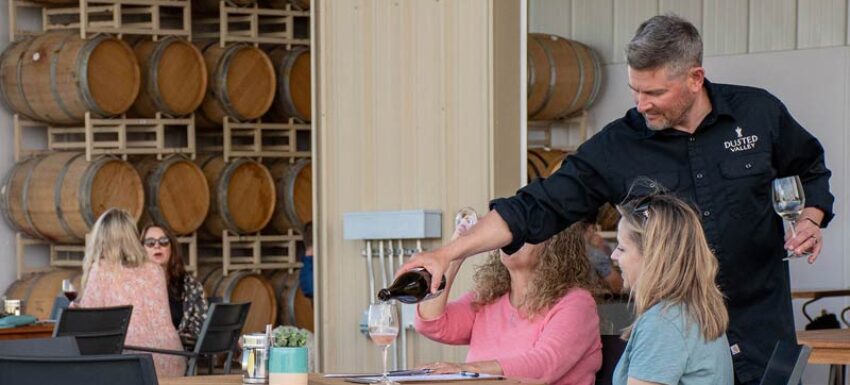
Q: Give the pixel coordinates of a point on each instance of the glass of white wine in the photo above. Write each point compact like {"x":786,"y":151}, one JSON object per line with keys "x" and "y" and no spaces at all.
{"x":383,"y":329}
{"x":789,"y":199}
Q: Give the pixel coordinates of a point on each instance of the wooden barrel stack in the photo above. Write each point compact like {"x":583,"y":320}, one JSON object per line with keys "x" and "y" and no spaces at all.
{"x":293,"y":307}
{"x":39,"y":290}
{"x":174,"y":77}
{"x":294,"y":185}
{"x":564,"y":77}
{"x":178,"y":196}
{"x":238,"y":287}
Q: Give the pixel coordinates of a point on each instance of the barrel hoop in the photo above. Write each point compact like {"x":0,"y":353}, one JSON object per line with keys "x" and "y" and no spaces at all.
{"x":82,"y":74}
{"x":221,"y":74}
{"x":54,"y":61}
{"x":4,"y":97}
{"x":86,"y":206}
{"x":57,"y":197}
{"x":153,"y":75}
{"x":283,"y":81}
{"x":25,"y":199}
{"x":223,"y":183}
{"x":289,"y":205}
{"x":580,"y":79}
{"x":531,"y":74}
{"x":154,"y":179}
{"x":597,"y":79}
{"x":553,"y":78}
{"x":228,"y":291}
{"x":4,"y":196}
{"x":210,"y":88}
{"x":20,"y":76}
{"x":534,"y":166}
{"x":290,"y":299}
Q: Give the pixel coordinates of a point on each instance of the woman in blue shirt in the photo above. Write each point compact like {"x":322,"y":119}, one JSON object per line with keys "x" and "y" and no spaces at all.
{"x":678,"y":336}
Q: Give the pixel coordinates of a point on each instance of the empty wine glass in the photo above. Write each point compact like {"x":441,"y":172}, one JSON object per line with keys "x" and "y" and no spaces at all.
{"x":789,"y":201}
{"x":383,"y":329}
{"x":465,"y":219}
{"x":69,"y":290}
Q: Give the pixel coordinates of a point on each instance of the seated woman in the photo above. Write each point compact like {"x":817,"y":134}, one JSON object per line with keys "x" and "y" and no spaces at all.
{"x":186,"y":297}
{"x":530,"y":315}
{"x":678,"y":336}
{"x":116,"y":272}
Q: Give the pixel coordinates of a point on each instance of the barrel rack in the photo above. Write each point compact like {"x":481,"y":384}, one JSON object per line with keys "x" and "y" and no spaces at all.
{"x":253,"y":25}
{"x":252,"y":252}
{"x":540,"y":131}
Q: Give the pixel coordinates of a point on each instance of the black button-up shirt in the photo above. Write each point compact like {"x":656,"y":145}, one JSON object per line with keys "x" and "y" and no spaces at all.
{"x":725,"y":168}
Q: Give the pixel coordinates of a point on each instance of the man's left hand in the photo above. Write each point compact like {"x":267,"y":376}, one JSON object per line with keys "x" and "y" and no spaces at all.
{"x":809,"y":238}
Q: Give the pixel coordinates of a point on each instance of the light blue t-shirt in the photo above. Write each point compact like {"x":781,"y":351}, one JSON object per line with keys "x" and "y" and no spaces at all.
{"x":666,"y":348}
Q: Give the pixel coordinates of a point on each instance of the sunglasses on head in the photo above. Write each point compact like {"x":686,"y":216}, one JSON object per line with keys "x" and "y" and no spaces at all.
{"x":642,"y":208}
{"x":151,"y":242}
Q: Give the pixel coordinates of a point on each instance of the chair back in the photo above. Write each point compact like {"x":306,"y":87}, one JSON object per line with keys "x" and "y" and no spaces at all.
{"x":40,"y":347}
{"x":126,"y":369}
{"x":98,"y":330}
{"x":786,"y":364}
{"x":222,"y":328}
{"x":612,"y":348}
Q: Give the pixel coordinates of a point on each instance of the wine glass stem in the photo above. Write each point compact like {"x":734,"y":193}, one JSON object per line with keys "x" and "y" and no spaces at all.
{"x":386,"y":373}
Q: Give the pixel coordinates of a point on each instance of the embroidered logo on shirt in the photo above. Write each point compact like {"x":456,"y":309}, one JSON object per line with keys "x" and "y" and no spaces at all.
{"x":741,"y":143}
{"x":735,"y":349}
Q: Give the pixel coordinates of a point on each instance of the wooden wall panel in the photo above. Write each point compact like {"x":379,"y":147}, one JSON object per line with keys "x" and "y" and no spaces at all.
{"x":724,"y":26}
{"x":593,"y":25}
{"x":689,"y":9}
{"x":405,"y":121}
{"x":628,"y":15}
{"x":550,"y":16}
{"x":772,"y":25}
{"x":821,"y":23}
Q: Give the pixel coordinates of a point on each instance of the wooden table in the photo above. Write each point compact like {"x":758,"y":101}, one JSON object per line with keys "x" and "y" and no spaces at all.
{"x":315,"y":379}
{"x":829,"y":347}
{"x":30,"y":331}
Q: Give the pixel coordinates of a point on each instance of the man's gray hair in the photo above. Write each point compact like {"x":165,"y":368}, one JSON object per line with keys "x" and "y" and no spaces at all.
{"x":665,"y":40}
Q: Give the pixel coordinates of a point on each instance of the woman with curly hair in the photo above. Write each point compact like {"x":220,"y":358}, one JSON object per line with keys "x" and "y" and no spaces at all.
{"x":531,"y":314}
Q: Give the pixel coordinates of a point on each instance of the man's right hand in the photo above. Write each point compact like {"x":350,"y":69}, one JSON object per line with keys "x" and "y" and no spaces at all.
{"x":436,"y":262}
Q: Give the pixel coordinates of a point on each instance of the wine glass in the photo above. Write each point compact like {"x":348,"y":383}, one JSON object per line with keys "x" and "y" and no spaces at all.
{"x":383,"y":329}
{"x":465,"y":219}
{"x":789,"y":201}
{"x":69,"y":290}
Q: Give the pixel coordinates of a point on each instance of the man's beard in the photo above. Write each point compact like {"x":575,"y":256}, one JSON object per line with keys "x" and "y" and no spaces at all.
{"x":665,"y":122}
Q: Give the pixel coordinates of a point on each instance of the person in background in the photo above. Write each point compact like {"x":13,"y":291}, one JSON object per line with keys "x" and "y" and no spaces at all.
{"x":678,"y":336}
{"x":531,"y":314}
{"x":186,"y":298}
{"x":599,"y":254}
{"x":117,"y":272}
{"x":305,"y":275}
{"x":719,"y":146}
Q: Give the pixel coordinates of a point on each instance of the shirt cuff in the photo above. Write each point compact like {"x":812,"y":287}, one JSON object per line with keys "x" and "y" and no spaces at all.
{"x":503,"y":207}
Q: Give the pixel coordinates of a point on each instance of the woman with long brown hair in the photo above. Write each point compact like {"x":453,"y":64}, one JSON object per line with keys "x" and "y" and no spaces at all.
{"x":531,"y":314}
{"x":678,"y":336}
{"x":186,"y":299}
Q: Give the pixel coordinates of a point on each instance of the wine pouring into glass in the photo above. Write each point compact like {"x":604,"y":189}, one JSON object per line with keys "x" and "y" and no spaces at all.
{"x":789,"y":199}
{"x":383,"y":330}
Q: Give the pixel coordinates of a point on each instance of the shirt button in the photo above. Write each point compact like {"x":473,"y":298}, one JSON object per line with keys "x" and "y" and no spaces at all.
{"x":699,"y":175}
{"x":706,"y":213}
{"x":691,"y":139}
{"x":748,"y":166}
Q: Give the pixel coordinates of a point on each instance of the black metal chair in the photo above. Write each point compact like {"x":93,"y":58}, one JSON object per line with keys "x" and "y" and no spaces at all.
{"x":98,"y":330}
{"x":786,"y":364}
{"x":127,"y":369}
{"x":219,"y":335}
{"x":41,"y":347}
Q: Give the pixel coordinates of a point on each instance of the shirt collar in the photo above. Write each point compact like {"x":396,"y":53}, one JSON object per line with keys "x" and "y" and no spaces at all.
{"x":719,"y":107}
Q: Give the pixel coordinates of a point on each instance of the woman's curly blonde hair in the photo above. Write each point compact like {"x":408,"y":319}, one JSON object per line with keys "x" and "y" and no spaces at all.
{"x":562,"y":265}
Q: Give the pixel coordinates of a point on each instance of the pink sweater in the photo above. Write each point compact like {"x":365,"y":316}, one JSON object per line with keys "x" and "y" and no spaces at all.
{"x":559,"y":347}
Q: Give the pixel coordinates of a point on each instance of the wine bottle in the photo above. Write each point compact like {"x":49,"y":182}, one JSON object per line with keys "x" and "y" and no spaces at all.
{"x":411,"y":287}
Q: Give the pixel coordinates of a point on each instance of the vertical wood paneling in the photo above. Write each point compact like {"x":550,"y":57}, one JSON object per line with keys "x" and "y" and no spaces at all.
{"x":773,"y":25}
{"x":821,"y":23}
{"x":628,"y":15}
{"x":404,"y":122}
{"x":508,"y":39}
{"x":593,"y":25}
{"x":550,"y":16}
{"x":691,"y":10}
{"x":724,"y":27}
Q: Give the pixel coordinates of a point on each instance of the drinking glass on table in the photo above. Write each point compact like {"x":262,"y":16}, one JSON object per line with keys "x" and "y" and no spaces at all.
{"x":789,"y":201}
{"x":383,"y":329}
{"x":69,"y":290}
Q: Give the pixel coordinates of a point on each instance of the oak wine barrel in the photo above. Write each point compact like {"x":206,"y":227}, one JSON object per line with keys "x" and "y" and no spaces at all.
{"x":173,"y":77}
{"x":294,"y":186}
{"x":543,"y":161}
{"x":59,"y":196}
{"x":39,"y":290}
{"x":293,"y":84}
{"x":242,"y":195}
{"x":241,"y":84}
{"x":238,"y":287}
{"x":564,"y":77}
{"x":294,"y":308}
{"x":57,"y":77}
{"x":178,"y":196}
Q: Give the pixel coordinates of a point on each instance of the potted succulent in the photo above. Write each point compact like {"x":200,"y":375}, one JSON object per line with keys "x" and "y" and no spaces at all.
{"x":289,"y":356}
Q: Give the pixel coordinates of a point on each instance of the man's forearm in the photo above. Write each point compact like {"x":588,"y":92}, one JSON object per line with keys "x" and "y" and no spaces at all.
{"x":490,"y":233}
